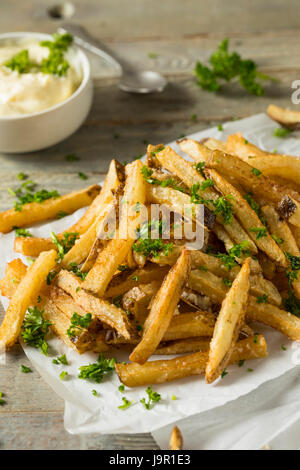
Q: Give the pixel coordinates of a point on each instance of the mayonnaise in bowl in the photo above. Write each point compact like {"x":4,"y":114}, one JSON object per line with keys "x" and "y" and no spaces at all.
{"x":36,"y":75}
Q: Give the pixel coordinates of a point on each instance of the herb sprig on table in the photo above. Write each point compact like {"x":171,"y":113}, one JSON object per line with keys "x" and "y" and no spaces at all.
{"x":227,"y":66}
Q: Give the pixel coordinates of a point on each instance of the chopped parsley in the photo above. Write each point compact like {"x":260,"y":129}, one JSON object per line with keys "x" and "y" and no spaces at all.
{"x":292,"y":303}
{"x":262,"y":299}
{"x":168,"y":182}
{"x":98,"y":370}
{"x":78,"y":322}
{"x":224,"y":373}
{"x":241,"y":362}
{"x":283,"y":347}
{"x":26,"y":194}
{"x":281,"y":132}
{"x":254,"y":206}
{"x":61,"y":214}
{"x":148,"y":246}
{"x":220,"y":127}
{"x":228,"y":259}
{"x":83,"y":176}
{"x":22,"y":232}
{"x":152,"y":55}
{"x":74,"y":268}
{"x":22,"y":176}
{"x":200,"y":168}
{"x":260,"y":232}
{"x":278,"y":240}
{"x":227,"y":282}
{"x":95,"y":393}
{"x":20,"y":62}
{"x":35,"y":329}
{"x":61,"y":360}
{"x":63,"y":375}
{"x":153,"y":397}
{"x":206,"y":184}
{"x":121,"y":388}
{"x":126,"y":404}
{"x":256,"y":172}
{"x":224,"y":207}
{"x":249,"y":370}
{"x":64,"y":244}
{"x":72,"y":157}
{"x":2,"y":402}
{"x":25,"y":369}
{"x":117,"y":301}
{"x":173,"y":397}
{"x":50,"y":277}
{"x":194,"y":117}
{"x":227,"y":66}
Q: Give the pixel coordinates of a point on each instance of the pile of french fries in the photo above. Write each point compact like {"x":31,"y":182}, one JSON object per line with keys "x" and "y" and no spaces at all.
{"x":183,"y":302}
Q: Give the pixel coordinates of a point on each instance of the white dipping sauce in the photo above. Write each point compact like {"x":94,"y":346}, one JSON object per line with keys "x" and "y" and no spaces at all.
{"x":27,"y":93}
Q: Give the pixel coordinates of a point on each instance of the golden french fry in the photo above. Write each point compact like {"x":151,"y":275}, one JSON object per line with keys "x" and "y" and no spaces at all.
{"x":271,"y":164}
{"x":190,"y":324}
{"x":101,"y":309}
{"x":183,"y":346}
{"x":278,"y":227}
{"x":249,"y":219}
{"x":24,"y":296}
{"x":14,"y":273}
{"x":154,"y":372}
{"x":137,"y":299}
{"x":228,"y":324}
{"x":285,"y":117}
{"x":162,"y":309}
{"x":176,"y":439}
{"x":207,"y":283}
{"x":194,"y":149}
{"x":37,"y":212}
{"x":214,"y":144}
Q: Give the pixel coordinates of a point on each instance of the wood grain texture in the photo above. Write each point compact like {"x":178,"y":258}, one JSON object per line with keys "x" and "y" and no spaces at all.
{"x":119,"y":125}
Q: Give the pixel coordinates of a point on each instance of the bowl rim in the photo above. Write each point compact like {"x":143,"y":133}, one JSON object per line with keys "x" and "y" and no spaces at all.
{"x":86,"y":69}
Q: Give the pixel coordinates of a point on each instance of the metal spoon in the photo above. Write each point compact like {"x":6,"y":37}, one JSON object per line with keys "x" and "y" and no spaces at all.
{"x":131,"y":79}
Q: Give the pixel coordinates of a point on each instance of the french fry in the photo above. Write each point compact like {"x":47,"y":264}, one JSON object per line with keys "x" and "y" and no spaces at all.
{"x":14,"y":273}
{"x":162,"y":309}
{"x":270,"y":315}
{"x":249,"y":219}
{"x":190,"y":324}
{"x":228,"y":324}
{"x":194,"y":149}
{"x":280,"y":229}
{"x":184,"y":170}
{"x":183,"y":346}
{"x":176,"y":439}
{"x":271,"y":164}
{"x":25,"y":294}
{"x":37,"y":212}
{"x":214,"y":144}
{"x":137,"y":299}
{"x":124,"y":282}
{"x":296,"y":233}
{"x":285,"y":117}
{"x":155,"y":372}
{"x":101,"y":309}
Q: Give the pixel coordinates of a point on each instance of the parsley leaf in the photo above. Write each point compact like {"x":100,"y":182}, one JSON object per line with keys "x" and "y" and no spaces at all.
{"x":126,"y":404}
{"x":153,"y":397}
{"x":168,"y":182}
{"x":262,"y":299}
{"x":22,"y":232}
{"x":25,"y":369}
{"x":256,"y":172}
{"x":281,"y":132}
{"x":260,"y":232}
{"x":25,"y":194}
{"x":97,"y":370}
{"x":64,"y":244}
{"x":78,"y":322}
{"x":61,"y":360}
{"x":35,"y":329}
{"x":77,"y":271}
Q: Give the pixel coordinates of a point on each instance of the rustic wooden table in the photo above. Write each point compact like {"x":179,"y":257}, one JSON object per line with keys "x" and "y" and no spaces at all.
{"x":169,"y":36}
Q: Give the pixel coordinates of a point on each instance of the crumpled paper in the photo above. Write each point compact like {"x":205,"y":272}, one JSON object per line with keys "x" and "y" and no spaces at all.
{"x":85,"y":413}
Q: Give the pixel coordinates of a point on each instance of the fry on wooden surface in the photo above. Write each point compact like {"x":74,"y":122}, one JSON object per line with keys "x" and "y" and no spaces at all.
{"x":34,"y":212}
{"x":228,"y":324}
{"x":162,"y":309}
{"x":154,"y":372}
{"x":24,"y":296}
{"x":176,"y":439}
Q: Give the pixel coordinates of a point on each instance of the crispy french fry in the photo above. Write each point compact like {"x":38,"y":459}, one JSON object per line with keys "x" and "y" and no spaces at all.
{"x":249,"y":219}
{"x":37,"y":212}
{"x":296,"y":233}
{"x":271,"y":164}
{"x":184,"y":170}
{"x":280,"y":229}
{"x":183,"y":346}
{"x":162,"y":309}
{"x":194,"y":149}
{"x":25,"y":294}
{"x":102,"y":309}
{"x":272,"y":316}
{"x":124,"y":282}
{"x":14,"y":273}
{"x":137,"y":299}
{"x":228,"y":324}
{"x":176,"y":439}
{"x":214,"y":144}
{"x":208,"y":284}
{"x":285,"y":117}
{"x":190,"y":324}
{"x":154,"y":372}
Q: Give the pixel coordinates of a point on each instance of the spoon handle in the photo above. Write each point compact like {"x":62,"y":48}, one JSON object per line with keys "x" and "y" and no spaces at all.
{"x":83,"y":39}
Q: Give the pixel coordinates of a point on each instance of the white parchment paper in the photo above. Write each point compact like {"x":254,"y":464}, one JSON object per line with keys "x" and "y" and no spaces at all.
{"x":85,"y":413}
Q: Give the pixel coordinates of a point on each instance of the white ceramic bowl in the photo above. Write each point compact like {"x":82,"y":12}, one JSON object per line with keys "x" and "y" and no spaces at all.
{"x":30,"y":132}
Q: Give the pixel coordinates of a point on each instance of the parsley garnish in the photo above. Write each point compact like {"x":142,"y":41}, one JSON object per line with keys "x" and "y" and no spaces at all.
{"x":123,"y":267}
{"x":220,"y":127}
{"x":35,"y":329}
{"x":95,"y":393}
{"x":223,"y":206}
{"x":50,"y":277}
{"x":283,"y":347}
{"x":262,"y":299}
{"x":77,"y":271}
{"x":241,"y":362}
{"x":226,"y":66}
{"x":78,"y":322}
{"x":260,"y":232}
{"x":97,"y":370}
{"x":126,"y":404}
{"x":61,"y":214}
{"x":281,"y":132}
{"x":22,"y":232}
{"x":20,"y":62}
{"x":25,"y":194}
{"x":254,"y":206}
{"x":121,"y":388}
{"x":72,"y":157}
{"x":153,"y":397}
{"x":224,"y":373}
{"x":228,"y":259}
{"x":63,"y":374}
{"x":61,"y":360}
{"x":278,"y":240}
{"x":256,"y":172}
{"x":25,"y":369}
{"x":82,"y":175}
{"x":151,"y":247}
{"x":206,"y":184}
{"x":22,"y":176}
{"x":63,"y":245}
{"x":2,"y":402}
{"x":200,"y":167}
{"x":168,"y":182}
{"x":227,"y":282}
